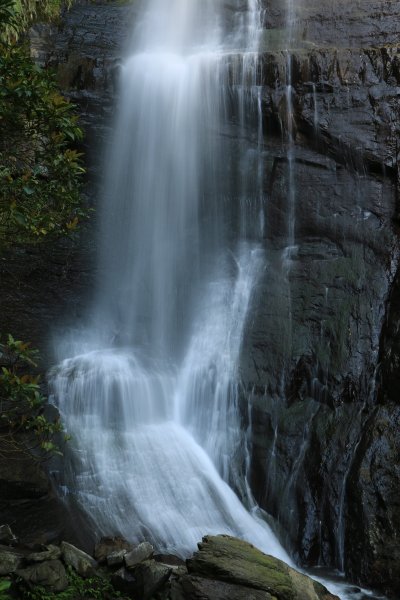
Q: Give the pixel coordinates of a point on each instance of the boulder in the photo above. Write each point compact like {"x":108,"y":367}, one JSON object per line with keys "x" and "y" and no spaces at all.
{"x":227,"y":559}
{"x":83,"y":564}
{"x":50,"y":574}
{"x":170,"y":559}
{"x":124,"y":581}
{"x":50,"y":553}
{"x":190,"y":587}
{"x":109,"y":545}
{"x":116,"y":559}
{"x":10,"y":560}
{"x":6,"y":535}
{"x":142,"y":552}
{"x":150,"y":578}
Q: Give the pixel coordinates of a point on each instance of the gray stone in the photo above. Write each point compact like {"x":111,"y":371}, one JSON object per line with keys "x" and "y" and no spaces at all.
{"x":150,"y":578}
{"x":190,"y":587}
{"x":124,"y":581}
{"x":51,"y":553}
{"x":108,"y":545}
{"x":10,"y":560}
{"x":83,"y":564}
{"x":234,"y":561}
{"x":6,"y":535}
{"x":142,"y":552}
{"x":170,"y":559}
{"x":50,"y":574}
{"x":22,"y":477}
{"x":116,"y":559}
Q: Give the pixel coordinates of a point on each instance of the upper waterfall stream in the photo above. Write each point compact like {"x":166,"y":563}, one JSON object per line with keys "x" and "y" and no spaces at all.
{"x":149,"y":391}
{"x":152,"y":401}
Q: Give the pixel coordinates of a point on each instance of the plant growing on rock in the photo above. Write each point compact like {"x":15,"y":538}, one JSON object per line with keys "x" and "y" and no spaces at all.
{"x":18,"y":15}
{"x":94,"y":588}
{"x":40,"y":175}
{"x":5,"y":585}
{"x":40,"y":168}
{"x":23,"y":426}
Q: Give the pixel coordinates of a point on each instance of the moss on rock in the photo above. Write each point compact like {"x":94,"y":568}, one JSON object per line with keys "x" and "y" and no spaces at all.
{"x":237,"y":562}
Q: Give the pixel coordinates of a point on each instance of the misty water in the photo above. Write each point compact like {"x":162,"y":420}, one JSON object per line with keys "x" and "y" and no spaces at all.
{"x":150,"y":390}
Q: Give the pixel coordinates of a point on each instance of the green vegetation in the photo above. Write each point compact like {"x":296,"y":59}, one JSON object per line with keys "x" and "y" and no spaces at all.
{"x":23,"y":427}
{"x":94,"y":588}
{"x":5,"y":585}
{"x":40,"y":174}
{"x":17,"y":15}
{"x":40,"y":168}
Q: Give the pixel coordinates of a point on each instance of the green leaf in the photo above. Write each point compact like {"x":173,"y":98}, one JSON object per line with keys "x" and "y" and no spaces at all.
{"x":19,"y":217}
{"x":4,"y":586}
{"x":28,"y":190}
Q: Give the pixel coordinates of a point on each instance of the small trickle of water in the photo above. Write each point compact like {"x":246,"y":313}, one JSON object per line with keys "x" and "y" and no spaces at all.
{"x":315,"y":107}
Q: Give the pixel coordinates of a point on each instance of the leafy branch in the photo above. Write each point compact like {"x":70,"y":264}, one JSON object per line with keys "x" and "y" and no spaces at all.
{"x":23,"y":426}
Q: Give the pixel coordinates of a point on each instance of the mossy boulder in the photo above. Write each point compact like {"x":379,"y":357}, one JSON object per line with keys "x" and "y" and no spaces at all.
{"x":227,"y":559}
{"x":190,"y":587}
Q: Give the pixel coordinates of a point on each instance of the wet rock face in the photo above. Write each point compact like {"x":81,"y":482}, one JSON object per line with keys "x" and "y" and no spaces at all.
{"x":42,"y":287}
{"x":240,"y":569}
{"x":323,"y":458}
{"x":318,"y":334}
{"x":314,"y":337}
{"x":28,"y":503}
{"x":324,"y":23}
{"x":85,"y":49}
{"x":373,"y":509}
{"x":346,"y":102}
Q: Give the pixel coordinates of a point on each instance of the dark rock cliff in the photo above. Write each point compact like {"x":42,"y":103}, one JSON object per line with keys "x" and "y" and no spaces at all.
{"x":321,"y":355}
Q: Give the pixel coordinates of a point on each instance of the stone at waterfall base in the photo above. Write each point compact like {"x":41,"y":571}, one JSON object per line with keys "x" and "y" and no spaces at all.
{"x":10,"y":560}
{"x":83,"y":564}
{"x":226,"y":567}
{"x":142,"y":552}
{"x":50,"y":574}
{"x":110,"y":545}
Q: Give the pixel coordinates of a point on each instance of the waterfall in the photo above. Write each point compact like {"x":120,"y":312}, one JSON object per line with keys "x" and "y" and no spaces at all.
{"x":150,"y":390}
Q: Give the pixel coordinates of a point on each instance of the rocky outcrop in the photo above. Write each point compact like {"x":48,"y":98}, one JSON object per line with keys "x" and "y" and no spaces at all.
{"x":50,"y":574}
{"x":27,"y":502}
{"x":323,"y":424}
{"x":224,"y":568}
{"x":244,"y":572}
{"x":79,"y":560}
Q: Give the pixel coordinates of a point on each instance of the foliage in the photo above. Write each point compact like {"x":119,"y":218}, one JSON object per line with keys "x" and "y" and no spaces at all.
{"x":5,"y":585}
{"x":40,"y":168}
{"x":40,"y":174}
{"x":95,"y":588}
{"x":18,"y":15}
{"x":23,"y":426}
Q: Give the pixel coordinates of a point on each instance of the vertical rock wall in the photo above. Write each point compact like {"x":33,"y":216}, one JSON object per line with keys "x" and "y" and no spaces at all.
{"x":321,"y":354}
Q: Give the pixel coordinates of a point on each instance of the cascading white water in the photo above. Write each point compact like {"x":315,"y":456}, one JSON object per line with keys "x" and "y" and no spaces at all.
{"x":149,"y":391}
{"x":153,"y":405}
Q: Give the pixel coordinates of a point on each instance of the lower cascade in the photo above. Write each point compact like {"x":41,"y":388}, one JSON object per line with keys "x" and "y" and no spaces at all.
{"x":150,"y":390}
{"x":152,"y":398}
